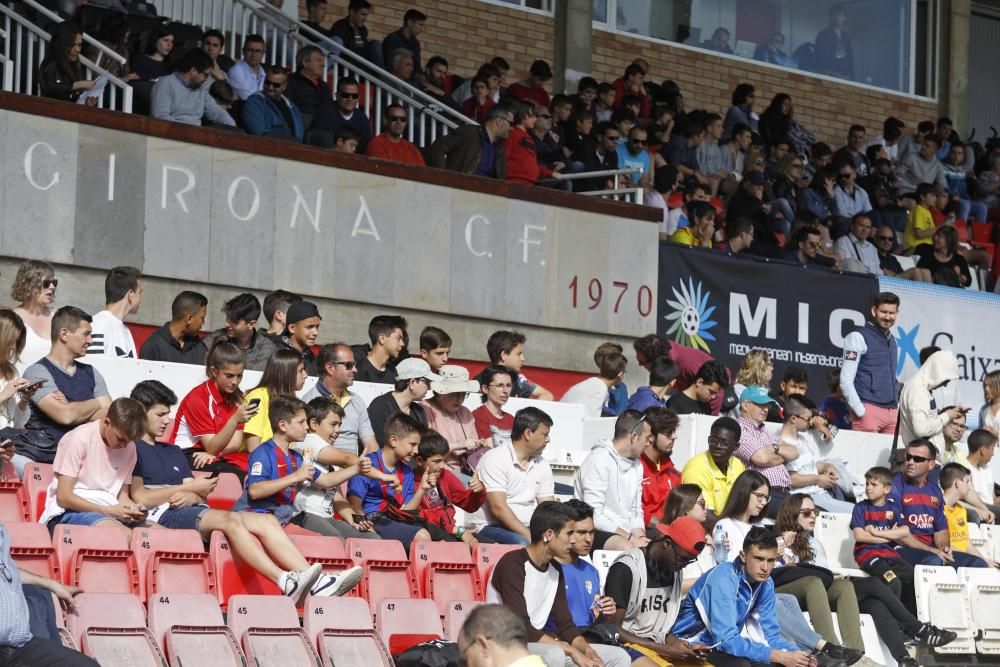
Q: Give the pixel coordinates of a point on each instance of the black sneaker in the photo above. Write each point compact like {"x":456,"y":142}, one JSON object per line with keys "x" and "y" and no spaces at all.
{"x":932,"y":636}
{"x":848,"y":656}
{"x":823,"y":660}
{"x":907,"y":662}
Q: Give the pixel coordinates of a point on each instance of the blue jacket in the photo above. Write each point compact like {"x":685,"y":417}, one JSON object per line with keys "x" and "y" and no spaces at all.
{"x":643,"y":399}
{"x":261,"y":117}
{"x":718,"y":607}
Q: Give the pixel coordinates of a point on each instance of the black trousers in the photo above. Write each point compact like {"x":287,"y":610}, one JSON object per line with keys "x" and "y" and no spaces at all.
{"x":725,"y":660}
{"x":876,"y":599}
{"x":43,"y":653}
{"x":901,"y":584}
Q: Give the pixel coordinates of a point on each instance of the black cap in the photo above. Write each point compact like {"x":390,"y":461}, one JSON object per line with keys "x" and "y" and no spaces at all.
{"x":541,"y":70}
{"x":301,"y":310}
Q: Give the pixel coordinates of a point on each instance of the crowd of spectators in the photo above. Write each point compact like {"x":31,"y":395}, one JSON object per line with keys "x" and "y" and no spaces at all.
{"x":399,"y":466}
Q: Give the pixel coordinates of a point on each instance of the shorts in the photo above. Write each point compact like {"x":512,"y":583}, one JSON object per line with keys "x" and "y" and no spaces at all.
{"x":183,"y":517}
{"x":388,"y":529}
{"x":84,"y":519}
{"x":600,"y":539}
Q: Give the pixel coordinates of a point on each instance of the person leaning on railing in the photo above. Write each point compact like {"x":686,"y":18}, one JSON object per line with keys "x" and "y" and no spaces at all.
{"x":61,"y":76}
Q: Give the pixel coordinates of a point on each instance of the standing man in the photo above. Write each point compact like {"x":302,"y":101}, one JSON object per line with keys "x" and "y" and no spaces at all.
{"x":476,"y":149}
{"x":531,"y":583}
{"x":760,"y":450}
{"x":868,"y":375}
{"x":659,"y":474}
{"x":335,"y":362}
{"x":610,"y":481}
{"x":122,"y":297}
{"x":247,"y":75}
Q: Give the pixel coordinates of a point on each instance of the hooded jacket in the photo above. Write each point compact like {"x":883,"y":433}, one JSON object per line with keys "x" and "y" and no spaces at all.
{"x":721,"y":604}
{"x":916,"y":417}
{"x":612,"y":485}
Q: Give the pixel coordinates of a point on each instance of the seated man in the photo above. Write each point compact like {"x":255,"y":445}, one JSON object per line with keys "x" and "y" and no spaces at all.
{"x":592,"y":393}
{"x":494,"y":635}
{"x":177,"y":340}
{"x":390,"y":144}
{"x":761,"y":451}
{"x":808,"y":472}
{"x":122,"y":297}
{"x":247,"y":76}
{"x":413,"y":381}
{"x":269,"y":113}
{"x":162,"y":480}
{"x":72,"y":394}
{"x":610,"y":481}
{"x":476,"y":149}
{"x":386,"y":334}
{"x":93,"y":470}
{"x":531,"y":583}
{"x":352,"y":32}
{"x":732,"y":596}
{"x":301,"y":329}
{"x":307,"y":87}
{"x":347,"y":113}
{"x":698,"y":397}
{"x":241,"y":313}
{"x":336,"y":367}
{"x":516,"y":480}
{"x":659,"y":474}
{"x":645,"y":586}
{"x":184,"y":97}
{"x":662,"y":378}
{"x":716,"y":470}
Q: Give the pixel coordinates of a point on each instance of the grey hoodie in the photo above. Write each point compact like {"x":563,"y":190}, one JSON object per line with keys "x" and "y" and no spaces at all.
{"x":612,"y":485}
{"x":916,"y":418}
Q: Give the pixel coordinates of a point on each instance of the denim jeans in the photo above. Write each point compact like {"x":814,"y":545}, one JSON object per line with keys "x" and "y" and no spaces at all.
{"x":920,"y":557}
{"x":794,"y":626}
{"x":502,"y":535}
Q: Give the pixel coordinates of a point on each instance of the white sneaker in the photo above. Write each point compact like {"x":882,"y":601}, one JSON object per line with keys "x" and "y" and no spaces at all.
{"x":297,"y":583}
{"x":337,"y":584}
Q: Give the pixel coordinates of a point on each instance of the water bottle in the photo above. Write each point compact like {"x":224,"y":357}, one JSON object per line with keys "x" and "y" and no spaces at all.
{"x":307,"y":459}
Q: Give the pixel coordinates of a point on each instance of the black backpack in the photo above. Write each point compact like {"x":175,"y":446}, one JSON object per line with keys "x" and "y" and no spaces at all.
{"x":435,"y":653}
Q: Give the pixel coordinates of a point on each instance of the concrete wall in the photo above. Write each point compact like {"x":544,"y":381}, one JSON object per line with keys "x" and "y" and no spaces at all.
{"x":360,"y":243}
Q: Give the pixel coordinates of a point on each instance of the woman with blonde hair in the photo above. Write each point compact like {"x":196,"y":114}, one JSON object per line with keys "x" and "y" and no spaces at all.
{"x":13,"y":395}
{"x":989,"y":414}
{"x":34,"y":290}
{"x":757,"y":369}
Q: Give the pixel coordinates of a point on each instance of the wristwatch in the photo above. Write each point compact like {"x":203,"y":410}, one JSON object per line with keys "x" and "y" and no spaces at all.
{"x":776,"y":447}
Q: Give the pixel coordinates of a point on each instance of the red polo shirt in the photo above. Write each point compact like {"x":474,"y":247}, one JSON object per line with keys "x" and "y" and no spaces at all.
{"x":657,"y":481}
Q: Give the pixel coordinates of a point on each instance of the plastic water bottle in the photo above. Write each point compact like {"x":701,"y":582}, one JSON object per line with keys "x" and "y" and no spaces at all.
{"x":307,"y":459}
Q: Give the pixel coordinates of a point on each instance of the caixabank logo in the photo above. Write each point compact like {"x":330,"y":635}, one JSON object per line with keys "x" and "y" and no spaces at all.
{"x":690,"y":313}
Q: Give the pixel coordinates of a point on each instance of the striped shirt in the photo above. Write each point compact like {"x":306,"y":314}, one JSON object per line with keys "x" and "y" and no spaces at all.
{"x":883,"y":517}
{"x":922,"y":506}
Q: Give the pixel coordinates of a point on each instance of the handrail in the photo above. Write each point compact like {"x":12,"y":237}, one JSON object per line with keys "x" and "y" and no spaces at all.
{"x":616,"y":191}
{"x":8,"y":72}
{"x":24,"y":46}
{"x":285,"y":36}
{"x":100,"y":46}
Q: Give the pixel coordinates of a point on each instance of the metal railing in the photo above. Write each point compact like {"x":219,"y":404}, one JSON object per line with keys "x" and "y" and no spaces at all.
{"x":25,"y":44}
{"x":428,"y":118}
{"x":619,"y":191}
{"x":7,"y":73}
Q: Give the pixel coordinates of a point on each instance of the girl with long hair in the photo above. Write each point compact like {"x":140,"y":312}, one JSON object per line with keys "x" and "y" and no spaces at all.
{"x":687,"y":500}
{"x":14,"y":394}
{"x":989,"y":414}
{"x":284,"y":375}
{"x":60,"y":75}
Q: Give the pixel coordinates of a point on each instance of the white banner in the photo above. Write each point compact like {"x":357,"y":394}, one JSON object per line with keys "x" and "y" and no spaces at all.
{"x":963,"y":321}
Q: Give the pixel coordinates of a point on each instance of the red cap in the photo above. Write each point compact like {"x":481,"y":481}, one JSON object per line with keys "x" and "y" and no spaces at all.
{"x":686,"y":533}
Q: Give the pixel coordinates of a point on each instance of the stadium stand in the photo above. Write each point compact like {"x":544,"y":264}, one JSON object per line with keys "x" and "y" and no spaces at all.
{"x":190,"y":629}
{"x":269,"y":630}
{"x":343,"y":629}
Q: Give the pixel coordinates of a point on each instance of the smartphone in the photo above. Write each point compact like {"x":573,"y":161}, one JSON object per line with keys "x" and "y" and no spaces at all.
{"x":6,"y":444}
{"x":358,"y":518}
{"x":35,"y":384}
{"x":215,"y":473}
{"x":253,"y":403}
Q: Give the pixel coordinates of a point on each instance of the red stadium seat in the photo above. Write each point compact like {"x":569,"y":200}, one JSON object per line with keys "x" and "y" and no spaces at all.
{"x":226,"y":492}
{"x":388,"y":573}
{"x":96,"y":558}
{"x":486,"y":556}
{"x":190,"y":631}
{"x":64,"y":636}
{"x":172,"y":561}
{"x":292,"y":529}
{"x":343,"y":631}
{"x":32,"y":550}
{"x":963,"y":231}
{"x":8,"y":473}
{"x":111,"y":628}
{"x":232,"y":575}
{"x":982,"y":232}
{"x":267,"y":627}
{"x":445,"y":572}
{"x":14,"y":502}
{"x":37,"y":477}
{"x":404,"y":623}
{"x":455,"y":615}
{"x":328,"y":551}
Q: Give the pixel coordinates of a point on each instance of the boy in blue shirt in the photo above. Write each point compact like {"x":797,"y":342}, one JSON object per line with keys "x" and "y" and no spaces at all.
{"x":583,"y":582}
{"x":162,"y":480}
{"x":379,"y":501}
{"x":276,"y":472}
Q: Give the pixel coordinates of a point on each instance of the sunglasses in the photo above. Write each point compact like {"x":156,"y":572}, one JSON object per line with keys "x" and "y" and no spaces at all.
{"x":808,"y":512}
{"x":50,"y":282}
{"x":272,"y":84}
{"x":917,"y":459}
{"x":397,"y":119}
{"x":350,"y":96}
{"x":886,"y":238}
{"x":639,"y":142}
{"x":348,"y":365}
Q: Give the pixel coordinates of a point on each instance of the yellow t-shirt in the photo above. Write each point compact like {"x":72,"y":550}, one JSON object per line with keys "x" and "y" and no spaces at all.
{"x":958,"y":527}
{"x":260,"y":424}
{"x":920,"y":220}
{"x":715,"y":484}
{"x":683,"y":236}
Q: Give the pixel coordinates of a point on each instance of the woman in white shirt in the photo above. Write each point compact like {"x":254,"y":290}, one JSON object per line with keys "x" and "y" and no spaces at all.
{"x":34,"y":289}
{"x":687,"y":500}
{"x":13,"y":397}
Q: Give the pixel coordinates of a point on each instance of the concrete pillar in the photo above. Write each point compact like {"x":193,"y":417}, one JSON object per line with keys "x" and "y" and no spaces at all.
{"x":572,"y":43}
{"x":953,"y":93}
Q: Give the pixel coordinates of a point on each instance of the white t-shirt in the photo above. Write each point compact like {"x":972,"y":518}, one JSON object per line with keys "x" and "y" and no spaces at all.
{"x":982,"y":482}
{"x":111,"y":337}
{"x":309,"y":498}
{"x":809,"y":456}
{"x":592,"y":394}
{"x":499,"y":471}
